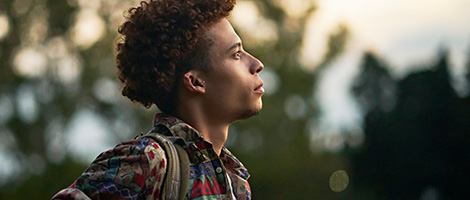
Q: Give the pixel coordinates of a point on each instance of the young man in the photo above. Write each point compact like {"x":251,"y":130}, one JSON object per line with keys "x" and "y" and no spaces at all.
{"x":185,"y":57}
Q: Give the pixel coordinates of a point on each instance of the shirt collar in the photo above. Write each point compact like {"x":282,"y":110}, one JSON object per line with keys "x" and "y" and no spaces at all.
{"x":177,"y":127}
{"x":180,"y":128}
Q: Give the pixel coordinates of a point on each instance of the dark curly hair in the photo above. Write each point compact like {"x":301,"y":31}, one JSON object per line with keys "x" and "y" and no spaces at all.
{"x":160,"y":41}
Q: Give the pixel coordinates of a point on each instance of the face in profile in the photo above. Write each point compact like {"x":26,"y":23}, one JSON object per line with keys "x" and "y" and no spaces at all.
{"x":233,"y":85}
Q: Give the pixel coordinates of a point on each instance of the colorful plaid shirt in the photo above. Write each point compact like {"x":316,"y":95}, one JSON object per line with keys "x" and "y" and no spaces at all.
{"x":136,"y":169}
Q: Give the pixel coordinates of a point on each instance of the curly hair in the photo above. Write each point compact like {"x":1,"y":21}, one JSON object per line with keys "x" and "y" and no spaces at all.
{"x":160,"y":41}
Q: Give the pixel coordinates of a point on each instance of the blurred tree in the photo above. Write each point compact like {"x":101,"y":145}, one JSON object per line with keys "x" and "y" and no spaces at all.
{"x":47,"y":79}
{"x":375,"y":88}
{"x":458,"y":146}
{"x":467,"y":76}
{"x":375,"y":92}
{"x":419,"y":146}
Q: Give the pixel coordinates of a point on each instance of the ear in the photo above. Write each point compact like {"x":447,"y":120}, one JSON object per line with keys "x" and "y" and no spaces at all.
{"x":192,"y":82}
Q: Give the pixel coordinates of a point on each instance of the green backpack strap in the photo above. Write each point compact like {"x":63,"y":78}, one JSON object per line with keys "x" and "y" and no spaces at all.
{"x":176,"y":182}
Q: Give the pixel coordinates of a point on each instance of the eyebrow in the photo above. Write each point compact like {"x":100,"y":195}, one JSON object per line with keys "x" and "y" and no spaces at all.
{"x":236,"y":45}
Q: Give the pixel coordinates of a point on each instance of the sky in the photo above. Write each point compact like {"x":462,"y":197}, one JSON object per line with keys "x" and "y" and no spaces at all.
{"x":405,"y":33}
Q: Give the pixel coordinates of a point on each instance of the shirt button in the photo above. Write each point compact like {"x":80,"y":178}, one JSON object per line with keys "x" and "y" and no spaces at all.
{"x":218,"y":170}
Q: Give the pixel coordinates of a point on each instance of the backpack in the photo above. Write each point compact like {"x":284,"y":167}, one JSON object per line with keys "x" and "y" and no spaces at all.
{"x":176,"y":181}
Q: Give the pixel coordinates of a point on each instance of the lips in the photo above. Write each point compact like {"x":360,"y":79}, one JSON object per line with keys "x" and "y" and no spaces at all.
{"x":259,"y":89}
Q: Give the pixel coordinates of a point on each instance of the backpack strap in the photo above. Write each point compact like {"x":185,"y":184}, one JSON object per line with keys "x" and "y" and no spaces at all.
{"x":176,"y":182}
{"x":184,"y":169}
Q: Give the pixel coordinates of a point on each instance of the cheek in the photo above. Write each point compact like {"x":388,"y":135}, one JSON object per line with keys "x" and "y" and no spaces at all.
{"x":231,"y":79}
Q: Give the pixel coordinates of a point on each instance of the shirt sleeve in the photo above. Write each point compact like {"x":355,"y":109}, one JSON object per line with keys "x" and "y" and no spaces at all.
{"x":132,"y":170}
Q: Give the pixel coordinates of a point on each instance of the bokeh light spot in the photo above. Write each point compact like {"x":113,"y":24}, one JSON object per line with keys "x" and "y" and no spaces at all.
{"x":88,"y":29}
{"x":4,"y":26}
{"x":271,"y":81}
{"x":339,"y":181}
{"x":30,"y":62}
{"x":106,"y":90}
{"x":27,"y":107}
{"x":295,"y":107}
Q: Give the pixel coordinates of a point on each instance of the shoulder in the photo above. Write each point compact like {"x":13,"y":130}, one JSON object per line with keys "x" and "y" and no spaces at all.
{"x":133,"y":168}
{"x":144,"y":156}
{"x":143,"y":151}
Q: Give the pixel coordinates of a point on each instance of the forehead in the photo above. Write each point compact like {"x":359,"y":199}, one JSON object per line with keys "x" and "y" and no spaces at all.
{"x":223,"y":35}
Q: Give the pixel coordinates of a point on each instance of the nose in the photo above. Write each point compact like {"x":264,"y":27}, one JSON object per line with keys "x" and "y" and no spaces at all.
{"x":256,"y":65}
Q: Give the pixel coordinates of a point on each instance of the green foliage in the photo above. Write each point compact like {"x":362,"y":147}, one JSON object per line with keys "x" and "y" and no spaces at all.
{"x":275,"y":145}
{"x":46,"y":184}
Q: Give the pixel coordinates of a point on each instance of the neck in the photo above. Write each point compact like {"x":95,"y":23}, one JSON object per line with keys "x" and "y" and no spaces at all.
{"x":213,"y":130}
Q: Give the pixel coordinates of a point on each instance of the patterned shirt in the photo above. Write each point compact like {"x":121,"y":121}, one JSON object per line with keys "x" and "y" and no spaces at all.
{"x":136,"y":169}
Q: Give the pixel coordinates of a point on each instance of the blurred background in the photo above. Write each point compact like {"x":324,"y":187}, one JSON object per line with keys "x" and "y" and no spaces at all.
{"x":365,"y":99}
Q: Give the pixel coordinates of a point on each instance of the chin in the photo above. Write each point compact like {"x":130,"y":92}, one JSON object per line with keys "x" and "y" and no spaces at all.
{"x":249,"y":114}
{"x":252,"y":112}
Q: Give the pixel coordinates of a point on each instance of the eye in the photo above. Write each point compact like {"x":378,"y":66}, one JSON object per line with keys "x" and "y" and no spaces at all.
{"x":237,"y":55}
